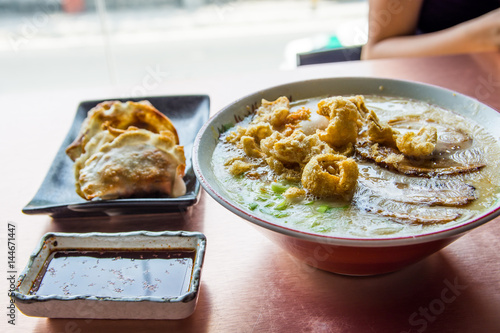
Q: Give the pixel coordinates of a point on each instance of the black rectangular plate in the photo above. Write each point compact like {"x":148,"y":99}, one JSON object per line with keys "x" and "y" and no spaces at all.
{"x":57,"y":196}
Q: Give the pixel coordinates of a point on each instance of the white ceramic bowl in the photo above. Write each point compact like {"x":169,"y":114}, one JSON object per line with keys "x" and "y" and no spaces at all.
{"x":337,"y":254}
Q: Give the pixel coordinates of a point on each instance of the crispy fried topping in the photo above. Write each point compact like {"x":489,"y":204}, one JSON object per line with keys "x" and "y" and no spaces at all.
{"x":329,"y":175}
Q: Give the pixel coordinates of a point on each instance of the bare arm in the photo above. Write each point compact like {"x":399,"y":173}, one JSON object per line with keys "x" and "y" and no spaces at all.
{"x":392,"y":26}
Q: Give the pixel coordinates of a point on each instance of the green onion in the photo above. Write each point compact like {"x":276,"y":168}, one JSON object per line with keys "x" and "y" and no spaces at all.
{"x":274,"y":213}
{"x":282,"y":205}
{"x":341,"y":207}
{"x":280,"y":214}
{"x":324,"y":208}
{"x":225,"y":127}
{"x":278,"y":188}
{"x":322,"y":228}
{"x":252,"y":206}
{"x":262,"y":197}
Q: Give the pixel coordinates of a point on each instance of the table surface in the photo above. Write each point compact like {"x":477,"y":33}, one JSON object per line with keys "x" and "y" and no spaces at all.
{"x":250,"y":284}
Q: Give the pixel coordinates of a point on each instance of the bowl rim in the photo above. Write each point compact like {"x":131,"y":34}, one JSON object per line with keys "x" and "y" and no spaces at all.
{"x":450,"y":232}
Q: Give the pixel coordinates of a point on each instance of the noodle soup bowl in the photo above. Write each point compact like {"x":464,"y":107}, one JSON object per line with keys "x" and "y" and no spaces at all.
{"x":344,"y":255}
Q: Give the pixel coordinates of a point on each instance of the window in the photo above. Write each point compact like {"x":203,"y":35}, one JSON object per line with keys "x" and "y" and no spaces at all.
{"x":51,"y":44}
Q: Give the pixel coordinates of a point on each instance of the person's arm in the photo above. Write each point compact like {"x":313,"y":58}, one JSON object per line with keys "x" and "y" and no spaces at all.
{"x":392,"y":26}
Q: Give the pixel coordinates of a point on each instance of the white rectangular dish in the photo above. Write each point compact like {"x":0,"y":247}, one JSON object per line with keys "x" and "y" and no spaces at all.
{"x":134,"y":275}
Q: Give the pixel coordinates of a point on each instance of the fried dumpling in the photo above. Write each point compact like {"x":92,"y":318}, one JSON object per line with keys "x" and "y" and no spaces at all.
{"x":119,"y":116}
{"x":135,"y":163}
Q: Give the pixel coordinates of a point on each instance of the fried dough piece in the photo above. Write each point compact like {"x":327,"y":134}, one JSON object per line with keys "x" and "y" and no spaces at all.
{"x":250,"y":147}
{"x":238,"y":166}
{"x":296,"y":148}
{"x":330,"y":175}
{"x":418,"y":144}
{"x":248,"y":138}
{"x":343,"y":117}
{"x":274,"y":113}
{"x":291,"y":172}
{"x":379,"y":133}
{"x":119,"y":115}
{"x":257,"y":131}
{"x":294,"y":194}
{"x":137,"y":162}
{"x":363,"y":111}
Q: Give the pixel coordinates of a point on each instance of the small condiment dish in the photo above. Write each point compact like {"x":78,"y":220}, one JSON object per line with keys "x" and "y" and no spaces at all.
{"x":133,"y":275}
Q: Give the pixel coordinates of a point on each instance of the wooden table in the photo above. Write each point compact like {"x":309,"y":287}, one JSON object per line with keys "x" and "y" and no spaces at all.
{"x":249,"y":284}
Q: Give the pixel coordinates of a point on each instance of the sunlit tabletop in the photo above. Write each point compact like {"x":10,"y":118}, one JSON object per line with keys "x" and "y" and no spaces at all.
{"x":250,"y":284}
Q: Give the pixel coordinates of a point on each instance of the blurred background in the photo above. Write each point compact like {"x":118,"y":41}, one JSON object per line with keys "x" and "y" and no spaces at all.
{"x":67,"y":44}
